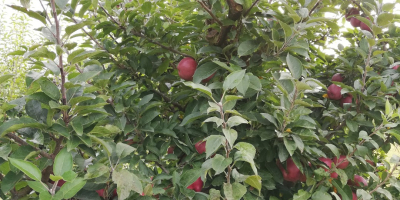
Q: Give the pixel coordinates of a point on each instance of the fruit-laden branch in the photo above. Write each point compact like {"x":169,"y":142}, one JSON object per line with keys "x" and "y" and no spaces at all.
{"x":22,"y":142}
{"x":210,"y":12}
{"x":143,"y":36}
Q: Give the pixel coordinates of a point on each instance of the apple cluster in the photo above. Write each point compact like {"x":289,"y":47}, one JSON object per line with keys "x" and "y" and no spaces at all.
{"x":334,"y":91}
{"x":187,"y":67}
{"x":351,"y":17}
{"x":293,"y":174}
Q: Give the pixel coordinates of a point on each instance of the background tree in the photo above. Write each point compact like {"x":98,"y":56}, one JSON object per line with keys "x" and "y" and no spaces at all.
{"x":205,"y":100}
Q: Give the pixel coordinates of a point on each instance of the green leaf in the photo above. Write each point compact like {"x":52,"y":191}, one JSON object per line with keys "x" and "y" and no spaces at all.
{"x":71,"y":29}
{"x":69,"y":189}
{"x":77,"y":126}
{"x":230,"y":135}
{"x":204,"y":71}
{"x":96,"y":170}
{"x":213,"y":143}
{"x":5,"y":149}
{"x":301,"y":195}
{"x":199,"y":87}
{"x":318,"y":195}
{"x":50,"y":89}
{"x":247,"y":47}
{"x":32,"y":14}
{"x":61,"y":3}
{"x":385,"y":192}
{"x":246,"y":153}
{"x":290,"y":146}
{"x":295,"y":66}
{"x":190,"y":176}
{"x":38,"y":186}
{"x":126,"y":182}
{"x":124,"y":150}
{"x":235,"y":121}
{"x":334,"y":149}
{"x":286,"y":29}
{"x":209,"y":49}
{"x":28,"y":168}
{"x":80,"y":55}
{"x":5,"y":77}
{"x":18,"y":123}
{"x":254,"y":181}
{"x":106,"y":146}
{"x":62,"y":162}
{"x":191,"y":117}
{"x":385,"y":19}
{"x":225,"y":66}
{"x":388,"y":107}
{"x":233,"y":79}
{"x":234,"y":191}
{"x":220,"y":163}
{"x":146,"y":7}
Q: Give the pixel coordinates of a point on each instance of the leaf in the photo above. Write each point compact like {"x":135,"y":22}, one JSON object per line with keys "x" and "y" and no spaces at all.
{"x":18,"y":123}
{"x":217,"y":120}
{"x":246,"y":153}
{"x":236,"y":120}
{"x":75,"y":58}
{"x":295,"y":66}
{"x":220,"y":163}
{"x":385,"y":192}
{"x":106,"y":146}
{"x":126,"y":182}
{"x":247,"y":47}
{"x":71,"y":29}
{"x":254,"y":181}
{"x":146,"y":7}
{"x":225,"y":66}
{"x":62,"y":162}
{"x":32,"y":14}
{"x":385,"y":19}
{"x":50,"y":89}
{"x":290,"y":146}
{"x":61,"y":3}
{"x":213,"y":144}
{"x":77,"y":126}
{"x":124,"y":150}
{"x":69,"y":189}
{"x":28,"y":168}
{"x":234,"y":191}
{"x":299,"y":142}
{"x":190,"y":176}
{"x":286,"y":28}
{"x":209,"y":49}
{"x":230,"y":135}
{"x":5,"y":77}
{"x":191,"y":117}
{"x":38,"y":186}
{"x":233,"y":79}
{"x":334,"y":149}
{"x":199,"y":87}
{"x":318,"y":195}
{"x":302,"y":195}
{"x":5,"y":149}
{"x":204,"y":71}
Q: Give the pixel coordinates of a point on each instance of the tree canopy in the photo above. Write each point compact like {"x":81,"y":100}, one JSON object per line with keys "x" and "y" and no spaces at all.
{"x":205,"y":99}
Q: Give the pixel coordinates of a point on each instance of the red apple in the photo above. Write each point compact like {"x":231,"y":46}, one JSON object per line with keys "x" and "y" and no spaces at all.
{"x":171,"y":150}
{"x":355,"y":22}
{"x":334,"y":92}
{"x":357,"y":180}
{"x":200,"y":146}
{"x":347,"y":99}
{"x":365,"y":27}
{"x":352,"y":11}
{"x":342,"y":160}
{"x":328,"y":162}
{"x":395,"y":67}
{"x":101,"y":193}
{"x":186,"y":68}
{"x":354,"y":196}
{"x":371,"y":162}
{"x":337,"y":77}
{"x":292,"y":173}
{"x":303,"y":178}
{"x":197,"y":185}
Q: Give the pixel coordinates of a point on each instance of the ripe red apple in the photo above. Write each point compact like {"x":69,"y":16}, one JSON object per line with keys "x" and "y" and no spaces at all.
{"x":347,"y":99}
{"x":303,"y":178}
{"x":352,"y":11}
{"x":337,"y":77}
{"x":343,"y":164}
{"x":197,"y":185}
{"x":186,"y":68}
{"x":365,"y":27}
{"x":395,"y":67}
{"x":334,"y":92}
{"x":371,"y":162}
{"x":357,"y":180}
{"x":328,"y":162}
{"x":200,"y":147}
{"x":354,"y":196}
{"x":355,"y":22}
{"x":208,"y":79}
{"x":101,"y":193}
{"x":292,"y":173}
{"x":171,"y":150}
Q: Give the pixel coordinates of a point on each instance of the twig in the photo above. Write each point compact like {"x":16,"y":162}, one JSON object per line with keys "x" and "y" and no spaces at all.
{"x":167,"y":99}
{"x":315,"y":6}
{"x":162,"y":167}
{"x":210,"y":12}
{"x":45,"y":12}
{"x":22,"y":142}
{"x":386,"y":179}
{"x":251,"y":7}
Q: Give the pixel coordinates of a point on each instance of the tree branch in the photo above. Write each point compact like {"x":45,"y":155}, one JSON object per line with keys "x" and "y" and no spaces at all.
{"x":167,"y":99}
{"x":386,"y":179}
{"x":22,"y":142}
{"x":210,"y":12}
{"x":251,"y":7}
{"x":315,"y":6}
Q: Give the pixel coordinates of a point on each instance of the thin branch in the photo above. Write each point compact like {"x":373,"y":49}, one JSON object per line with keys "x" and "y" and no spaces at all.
{"x":167,"y":99}
{"x":251,"y":7}
{"x":143,"y":36}
{"x":315,"y":6}
{"x":162,"y":167}
{"x":45,"y":12}
{"x":386,"y":179}
{"x":22,"y":142}
{"x":210,"y":12}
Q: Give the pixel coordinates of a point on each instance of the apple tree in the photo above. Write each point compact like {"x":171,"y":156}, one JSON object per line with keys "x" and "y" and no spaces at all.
{"x":206,"y":99}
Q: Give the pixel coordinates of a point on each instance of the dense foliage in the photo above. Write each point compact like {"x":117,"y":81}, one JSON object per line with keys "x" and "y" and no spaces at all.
{"x":106,"y":113}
